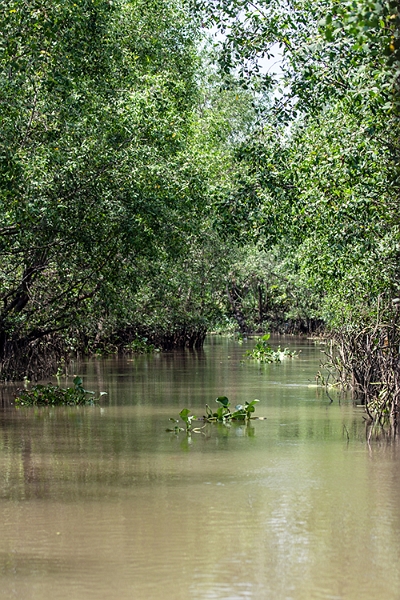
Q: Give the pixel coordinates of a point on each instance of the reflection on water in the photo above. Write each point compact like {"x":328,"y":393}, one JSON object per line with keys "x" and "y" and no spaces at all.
{"x":101,"y":502}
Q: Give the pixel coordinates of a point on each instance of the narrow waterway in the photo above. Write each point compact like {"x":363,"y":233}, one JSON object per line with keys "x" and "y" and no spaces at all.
{"x":102,"y":503}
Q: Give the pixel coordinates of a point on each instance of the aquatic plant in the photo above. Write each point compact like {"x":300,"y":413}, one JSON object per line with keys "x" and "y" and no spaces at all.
{"x":265,"y":354}
{"x":54,"y":395}
{"x":223,"y":414}
{"x":187,"y":418}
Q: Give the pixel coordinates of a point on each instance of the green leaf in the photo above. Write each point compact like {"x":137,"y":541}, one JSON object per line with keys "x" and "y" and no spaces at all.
{"x":184,"y":414}
{"x":223,"y":400}
{"x":252,"y":402}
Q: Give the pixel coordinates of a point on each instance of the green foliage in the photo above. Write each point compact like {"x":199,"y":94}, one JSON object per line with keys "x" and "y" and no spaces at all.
{"x":224,"y":414}
{"x":145,"y":193}
{"x":263,"y":353}
{"x":187,"y":418}
{"x":319,"y":178}
{"x":116,"y":140}
{"x":140,"y":346}
{"x":328,"y":196}
{"x":265,"y":293}
{"x":324,"y":48}
{"x":54,"y":395}
{"x":95,"y":161}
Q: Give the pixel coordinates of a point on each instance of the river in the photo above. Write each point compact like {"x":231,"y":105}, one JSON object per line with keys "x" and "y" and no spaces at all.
{"x":102,"y":503}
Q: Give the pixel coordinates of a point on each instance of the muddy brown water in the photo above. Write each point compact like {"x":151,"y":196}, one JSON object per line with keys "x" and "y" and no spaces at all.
{"x":102,"y":503}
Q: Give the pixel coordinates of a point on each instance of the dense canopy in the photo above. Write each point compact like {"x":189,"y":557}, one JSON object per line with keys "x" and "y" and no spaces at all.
{"x":159,"y":181}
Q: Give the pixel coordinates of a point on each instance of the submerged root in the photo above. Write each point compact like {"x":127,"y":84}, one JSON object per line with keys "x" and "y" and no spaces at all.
{"x":367,"y":362}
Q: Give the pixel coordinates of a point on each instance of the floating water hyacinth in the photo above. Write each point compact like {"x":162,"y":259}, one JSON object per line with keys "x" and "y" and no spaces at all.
{"x":54,"y":395}
{"x":265,"y":354}
{"x":223,"y":414}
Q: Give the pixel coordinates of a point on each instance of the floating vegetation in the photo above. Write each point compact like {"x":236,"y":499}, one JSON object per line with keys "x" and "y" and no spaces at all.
{"x":263,"y":353}
{"x":54,"y":395}
{"x":223,"y":414}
